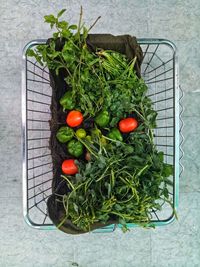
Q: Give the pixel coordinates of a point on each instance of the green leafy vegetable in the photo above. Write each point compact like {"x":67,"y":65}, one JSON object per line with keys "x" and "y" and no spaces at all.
{"x":117,"y":185}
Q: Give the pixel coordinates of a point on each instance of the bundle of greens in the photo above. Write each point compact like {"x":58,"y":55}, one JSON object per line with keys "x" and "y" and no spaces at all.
{"x":115,"y":171}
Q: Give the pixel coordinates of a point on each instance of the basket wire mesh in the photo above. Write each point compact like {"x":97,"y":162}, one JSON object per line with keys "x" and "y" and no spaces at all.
{"x":160,"y":72}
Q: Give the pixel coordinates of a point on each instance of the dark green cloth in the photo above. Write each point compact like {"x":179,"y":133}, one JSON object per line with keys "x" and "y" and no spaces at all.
{"x":124,"y":44}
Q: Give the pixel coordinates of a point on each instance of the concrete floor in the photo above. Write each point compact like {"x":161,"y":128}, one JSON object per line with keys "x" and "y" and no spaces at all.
{"x":176,"y":245}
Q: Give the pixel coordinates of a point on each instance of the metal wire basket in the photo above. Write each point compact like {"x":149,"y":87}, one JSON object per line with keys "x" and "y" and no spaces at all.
{"x":160,"y":72}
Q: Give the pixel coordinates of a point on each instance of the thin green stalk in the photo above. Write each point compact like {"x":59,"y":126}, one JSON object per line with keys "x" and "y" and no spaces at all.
{"x":142,"y":170}
{"x":62,"y":222}
{"x":79,"y":24}
{"x":125,"y":201}
{"x":88,"y":148}
{"x":102,"y":176}
{"x":65,"y":177}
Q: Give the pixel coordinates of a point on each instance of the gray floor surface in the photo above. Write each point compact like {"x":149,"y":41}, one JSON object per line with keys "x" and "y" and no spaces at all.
{"x":175,"y":245}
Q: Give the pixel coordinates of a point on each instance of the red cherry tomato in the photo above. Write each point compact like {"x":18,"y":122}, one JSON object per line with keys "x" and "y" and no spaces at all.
{"x":74,"y":118}
{"x":69,"y":167}
{"x":128,"y":125}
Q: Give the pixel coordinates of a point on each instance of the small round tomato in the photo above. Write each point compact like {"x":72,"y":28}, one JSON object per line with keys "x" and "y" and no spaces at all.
{"x":81,"y":133}
{"x":128,"y":125}
{"x":74,"y":118}
{"x":69,"y":167}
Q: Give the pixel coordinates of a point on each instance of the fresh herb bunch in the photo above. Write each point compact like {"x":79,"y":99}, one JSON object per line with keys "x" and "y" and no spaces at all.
{"x":126,"y":177}
{"x":75,"y":59}
{"x":104,"y":80}
{"x":122,"y":181}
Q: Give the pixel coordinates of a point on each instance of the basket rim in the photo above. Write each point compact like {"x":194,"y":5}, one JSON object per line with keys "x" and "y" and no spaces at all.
{"x":110,"y":228}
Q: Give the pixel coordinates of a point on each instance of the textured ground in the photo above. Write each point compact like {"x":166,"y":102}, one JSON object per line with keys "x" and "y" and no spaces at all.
{"x":176,"y":245}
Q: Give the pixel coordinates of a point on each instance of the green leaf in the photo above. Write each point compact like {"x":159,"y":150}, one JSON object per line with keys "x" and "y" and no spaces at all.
{"x":122,"y":222}
{"x":73,"y":27}
{"x":85,"y":33}
{"x":37,"y":55}
{"x":88,"y":167}
{"x":118,"y":207}
{"x":103,"y":217}
{"x":79,"y":177}
{"x":50,"y":19}
{"x":62,"y":25}
{"x":66,"y":33}
{"x":167,"y":170}
{"x":30,"y":53}
{"x":166,"y":192}
{"x":55,"y":35}
{"x":76,"y":208}
{"x":60,"y":13}
{"x":161,"y":155}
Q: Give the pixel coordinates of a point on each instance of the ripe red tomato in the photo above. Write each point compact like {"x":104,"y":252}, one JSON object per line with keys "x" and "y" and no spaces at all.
{"x":74,"y":118}
{"x":128,"y":125}
{"x":69,"y":167}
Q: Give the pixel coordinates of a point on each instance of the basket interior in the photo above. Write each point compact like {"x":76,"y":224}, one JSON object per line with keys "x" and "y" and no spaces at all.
{"x":158,"y":73}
